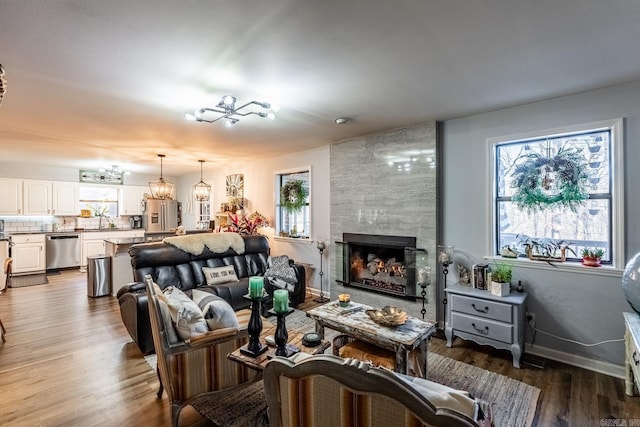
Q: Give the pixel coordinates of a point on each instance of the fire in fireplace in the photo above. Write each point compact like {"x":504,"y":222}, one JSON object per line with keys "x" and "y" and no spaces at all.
{"x":379,"y":263}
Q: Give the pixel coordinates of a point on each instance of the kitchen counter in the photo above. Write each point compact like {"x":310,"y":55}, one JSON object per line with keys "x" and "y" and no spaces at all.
{"x":122,"y":245}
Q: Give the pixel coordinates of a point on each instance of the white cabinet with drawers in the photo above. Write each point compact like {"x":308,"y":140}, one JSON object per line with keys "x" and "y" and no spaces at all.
{"x":632,"y":352}
{"x":93,"y":242}
{"x":479,"y":316}
{"x":28,"y":253}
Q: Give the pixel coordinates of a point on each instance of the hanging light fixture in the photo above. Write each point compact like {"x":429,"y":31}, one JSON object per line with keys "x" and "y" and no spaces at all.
{"x":201,"y":190}
{"x":161,"y":189}
{"x":3,"y":83}
{"x":227,"y":107}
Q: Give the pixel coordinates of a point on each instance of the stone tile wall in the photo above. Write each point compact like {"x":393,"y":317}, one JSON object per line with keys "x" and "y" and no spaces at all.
{"x":385,"y":183}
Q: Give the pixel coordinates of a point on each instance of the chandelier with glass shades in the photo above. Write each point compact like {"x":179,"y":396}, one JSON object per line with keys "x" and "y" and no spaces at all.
{"x":161,"y":189}
{"x":201,"y":190}
{"x":228,"y":110}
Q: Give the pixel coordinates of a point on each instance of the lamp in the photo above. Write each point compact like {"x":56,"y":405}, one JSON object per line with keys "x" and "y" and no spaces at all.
{"x":321,"y":245}
{"x":424,"y":280}
{"x":201,"y":190}
{"x":227,"y":107}
{"x":160,"y":189}
{"x":3,"y":83}
{"x":445,"y":258}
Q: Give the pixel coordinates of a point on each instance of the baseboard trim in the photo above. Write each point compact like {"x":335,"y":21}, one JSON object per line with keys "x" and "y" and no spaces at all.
{"x":606,"y":368}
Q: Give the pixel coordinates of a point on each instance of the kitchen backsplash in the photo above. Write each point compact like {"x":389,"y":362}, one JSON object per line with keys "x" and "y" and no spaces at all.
{"x":38,"y":224}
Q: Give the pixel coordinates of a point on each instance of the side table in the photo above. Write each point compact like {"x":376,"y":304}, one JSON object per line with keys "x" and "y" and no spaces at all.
{"x":479,"y":316}
{"x":632,"y":352}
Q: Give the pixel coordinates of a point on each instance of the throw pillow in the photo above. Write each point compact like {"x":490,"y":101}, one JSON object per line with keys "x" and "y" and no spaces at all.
{"x":220,"y":275}
{"x":217,"y":312}
{"x":185,"y":313}
{"x":279,"y":268}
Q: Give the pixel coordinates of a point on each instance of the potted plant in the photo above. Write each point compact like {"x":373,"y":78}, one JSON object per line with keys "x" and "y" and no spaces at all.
{"x":293,"y":195}
{"x":591,"y":256}
{"x":544,"y":248}
{"x":501,"y":279}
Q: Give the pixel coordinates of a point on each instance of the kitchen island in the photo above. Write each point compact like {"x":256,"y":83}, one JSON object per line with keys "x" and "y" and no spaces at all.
{"x":118,"y":250}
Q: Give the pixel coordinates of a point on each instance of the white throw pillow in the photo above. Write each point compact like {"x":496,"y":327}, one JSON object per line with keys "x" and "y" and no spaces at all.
{"x":220,"y":275}
{"x":217,"y":312}
{"x":185,"y":313}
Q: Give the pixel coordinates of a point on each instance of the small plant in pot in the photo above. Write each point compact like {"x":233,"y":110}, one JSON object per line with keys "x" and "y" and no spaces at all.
{"x":591,"y":256}
{"x":501,"y":279}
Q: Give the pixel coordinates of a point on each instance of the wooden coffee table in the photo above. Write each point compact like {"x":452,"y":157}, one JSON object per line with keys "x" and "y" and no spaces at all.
{"x":356,"y":323}
{"x":295,"y":338}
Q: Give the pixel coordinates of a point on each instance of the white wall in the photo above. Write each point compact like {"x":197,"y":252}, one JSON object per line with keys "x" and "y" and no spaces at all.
{"x":580,"y":306}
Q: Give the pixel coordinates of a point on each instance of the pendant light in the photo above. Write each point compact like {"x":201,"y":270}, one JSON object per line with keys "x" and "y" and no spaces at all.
{"x":201,"y":190}
{"x":161,"y":189}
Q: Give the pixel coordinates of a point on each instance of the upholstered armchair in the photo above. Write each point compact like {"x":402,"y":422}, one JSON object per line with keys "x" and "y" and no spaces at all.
{"x":326,"y":390}
{"x":187,"y":369}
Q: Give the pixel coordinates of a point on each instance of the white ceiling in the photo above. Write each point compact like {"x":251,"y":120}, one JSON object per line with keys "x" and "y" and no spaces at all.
{"x":93,"y":82}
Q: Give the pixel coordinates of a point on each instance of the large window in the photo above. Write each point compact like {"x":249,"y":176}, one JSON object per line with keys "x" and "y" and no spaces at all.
{"x":293,"y":219}
{"x":564,"y":185}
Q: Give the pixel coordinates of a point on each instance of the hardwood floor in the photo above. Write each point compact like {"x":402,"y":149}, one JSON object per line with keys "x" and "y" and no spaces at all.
{"x":68,"y":360}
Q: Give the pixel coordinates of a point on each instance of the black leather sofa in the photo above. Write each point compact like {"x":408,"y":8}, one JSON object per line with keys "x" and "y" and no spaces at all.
{"x":171,"y":266}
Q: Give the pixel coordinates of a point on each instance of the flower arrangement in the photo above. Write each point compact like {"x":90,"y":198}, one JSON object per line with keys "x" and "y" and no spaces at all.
{"x":544,"y":248}
{"x":293,"y":195}
{"x":532,"y":180}
{"x":246,"y":224}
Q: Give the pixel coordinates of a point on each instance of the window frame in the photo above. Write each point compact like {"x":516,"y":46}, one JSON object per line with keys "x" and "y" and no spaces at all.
{"x":277,"y":209}
{"x":615,"y":126}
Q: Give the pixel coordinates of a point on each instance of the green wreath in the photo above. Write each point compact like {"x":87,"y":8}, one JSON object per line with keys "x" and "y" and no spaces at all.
{"x":530,"y":181}
{"x":293,"y":195}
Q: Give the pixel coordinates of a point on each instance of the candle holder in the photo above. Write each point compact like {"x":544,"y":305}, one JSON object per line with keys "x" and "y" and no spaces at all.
{"x":321,"y":245}
{"x":424,"y":280}
{"x":281,"y":335}
{"x":254,"y":348}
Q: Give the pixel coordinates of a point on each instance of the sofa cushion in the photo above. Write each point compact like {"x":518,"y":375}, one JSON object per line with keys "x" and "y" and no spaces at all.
{"x":185,"y":313}
{"x":219,"y":275}
{"x":217,"y":312}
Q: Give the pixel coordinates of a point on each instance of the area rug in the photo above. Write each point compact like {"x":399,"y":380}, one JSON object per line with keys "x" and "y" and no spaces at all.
{"x":513,"y":402}
{"x":29,"y":280}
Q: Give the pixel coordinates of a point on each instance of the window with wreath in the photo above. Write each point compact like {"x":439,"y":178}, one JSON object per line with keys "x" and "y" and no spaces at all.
{"x":293,"y":206}
{"x":563,"y":186}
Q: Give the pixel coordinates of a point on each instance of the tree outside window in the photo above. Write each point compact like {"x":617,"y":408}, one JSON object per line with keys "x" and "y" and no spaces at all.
{"x":293,"y":205}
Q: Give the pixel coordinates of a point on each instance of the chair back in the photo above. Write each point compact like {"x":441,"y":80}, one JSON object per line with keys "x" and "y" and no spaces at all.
{"x":326,"y":390}
{"x":8,"y":262}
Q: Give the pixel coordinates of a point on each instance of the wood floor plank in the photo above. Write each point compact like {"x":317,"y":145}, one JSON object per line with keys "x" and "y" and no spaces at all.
{"x":69,"y":361}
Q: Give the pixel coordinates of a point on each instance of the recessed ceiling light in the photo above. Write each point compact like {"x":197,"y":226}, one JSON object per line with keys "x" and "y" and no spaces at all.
{"x":343,"y":120}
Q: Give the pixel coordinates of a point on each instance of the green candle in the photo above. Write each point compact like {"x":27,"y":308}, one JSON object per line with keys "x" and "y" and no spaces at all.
{"x":255,"y":286}
{"x":280,"y":301}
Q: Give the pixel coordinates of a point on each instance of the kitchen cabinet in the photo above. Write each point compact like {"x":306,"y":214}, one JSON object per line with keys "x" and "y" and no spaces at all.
{"x":131,"y":199}
{"x":10,"y":196}
{"x":479,"y":316}
{"x":28,"y":253}
{"x":36,"y":197}
{"x":65,"y":200}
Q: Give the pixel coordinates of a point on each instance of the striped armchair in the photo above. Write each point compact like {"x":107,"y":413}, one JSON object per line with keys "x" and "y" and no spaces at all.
{"x":190,"y":368}
{"x":326,"y":390}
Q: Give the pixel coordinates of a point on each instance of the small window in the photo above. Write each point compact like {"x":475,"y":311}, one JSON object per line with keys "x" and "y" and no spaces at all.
{"x":99,"y":199}
{"x":535,"y":194}
{"x":293,"y":205}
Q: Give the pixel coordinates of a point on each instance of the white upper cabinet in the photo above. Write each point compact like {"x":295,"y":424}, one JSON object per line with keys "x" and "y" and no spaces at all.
{"x":36,"y":197}
{"x":10,"y":196}
{"x":131,"y":199}
{"x":65,"y":198}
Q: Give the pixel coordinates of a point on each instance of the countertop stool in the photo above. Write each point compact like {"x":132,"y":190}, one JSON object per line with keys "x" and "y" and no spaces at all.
{"x":7,"y":284}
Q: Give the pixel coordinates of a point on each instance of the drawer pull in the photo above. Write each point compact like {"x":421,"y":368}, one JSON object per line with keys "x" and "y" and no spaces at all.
{"x":480,"y":310}
{"x":635,"y":359}
{"x":484,"y":330}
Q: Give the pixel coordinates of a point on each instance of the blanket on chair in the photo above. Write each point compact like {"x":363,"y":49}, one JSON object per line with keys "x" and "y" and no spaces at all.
{"x":216,"y":242}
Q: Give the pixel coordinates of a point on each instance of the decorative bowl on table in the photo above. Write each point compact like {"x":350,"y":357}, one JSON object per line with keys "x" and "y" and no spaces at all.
{"x":389,"y":315}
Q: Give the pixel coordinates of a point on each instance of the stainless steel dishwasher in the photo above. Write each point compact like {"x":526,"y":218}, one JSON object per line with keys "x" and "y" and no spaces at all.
{"x":63,"y":250}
